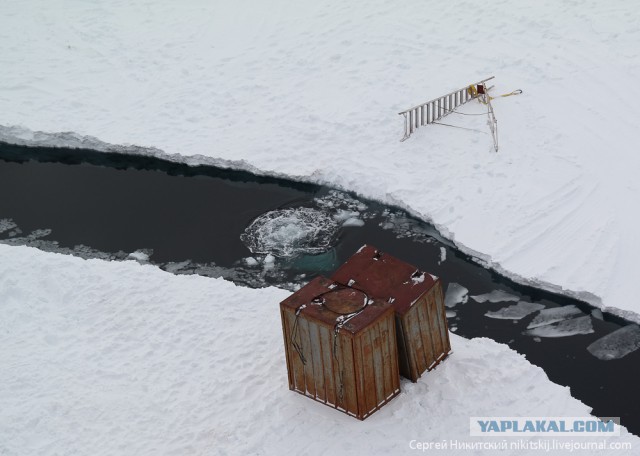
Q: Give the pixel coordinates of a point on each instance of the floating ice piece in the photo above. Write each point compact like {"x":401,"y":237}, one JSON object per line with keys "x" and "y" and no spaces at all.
{"x":140,"y":255}
{"x":617,"y":344}
{"x":597,"y":313}
{"x":353,"y":221}
{"x":495,"y":296}
{"x":554,"y":315}
{"x":451,"y":313}
{"x":515,"y":311}
{"x":580,"y":325}
{"x":343,"y":215}
{"x":6,"y":225}
{"x":443,"y":255}
{"x":456,"y":294}
{"x":289,"y":232}
{"x":251,"y":261}
{"x":269,"y":261}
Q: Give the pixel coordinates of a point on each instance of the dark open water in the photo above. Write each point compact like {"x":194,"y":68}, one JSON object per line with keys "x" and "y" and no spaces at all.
{"x":189,"y":220}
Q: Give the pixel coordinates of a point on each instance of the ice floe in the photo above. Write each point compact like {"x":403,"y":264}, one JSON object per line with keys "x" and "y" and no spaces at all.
{"x":575,"y":326}
{"x":456,"y":294}
{"x":515,"y":311}
{"x":554,"y":315}
{"x":495,"y":296}
{"x":617,"y":344}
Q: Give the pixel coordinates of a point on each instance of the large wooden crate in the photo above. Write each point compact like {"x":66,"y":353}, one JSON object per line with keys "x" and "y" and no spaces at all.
{"x":418,"y":301}
{"x":340,"y":347}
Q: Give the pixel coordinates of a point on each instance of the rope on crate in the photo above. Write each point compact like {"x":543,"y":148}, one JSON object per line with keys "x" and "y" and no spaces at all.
{"x":340,"y":322}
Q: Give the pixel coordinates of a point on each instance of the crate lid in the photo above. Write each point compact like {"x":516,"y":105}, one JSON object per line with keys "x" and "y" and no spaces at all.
{"x":385,"y":277}
{"x":330,"y":304}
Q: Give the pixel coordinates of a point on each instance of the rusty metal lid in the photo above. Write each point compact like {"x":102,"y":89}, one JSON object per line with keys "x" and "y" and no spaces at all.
{"x":385,"y":277}
{"x":344,"y":300}
{"x":326,"y":302}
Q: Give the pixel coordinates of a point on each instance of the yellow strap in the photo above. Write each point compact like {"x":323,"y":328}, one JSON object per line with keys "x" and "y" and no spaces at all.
{"x":473,"y":91}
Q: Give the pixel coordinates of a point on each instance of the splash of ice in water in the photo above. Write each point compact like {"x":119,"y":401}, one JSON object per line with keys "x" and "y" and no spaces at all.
{"x":290,"y":232}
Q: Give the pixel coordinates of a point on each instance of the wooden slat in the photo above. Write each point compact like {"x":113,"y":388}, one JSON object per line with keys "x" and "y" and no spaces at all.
{"x":318,"y":365}
{"x":303,"y":329}
{"x":423,"y":349}
{"x":351,"y":374}
{"x":296,"y":363}
{"x":368,"y":371}
{"x":385,"y":352}
{"x":425,"y":332}
{"x":326,"y":344}
{"x":338,"y":368}
{"x":434,"y":325}
{"x":417,"y":359}
{"x":378,"y":366}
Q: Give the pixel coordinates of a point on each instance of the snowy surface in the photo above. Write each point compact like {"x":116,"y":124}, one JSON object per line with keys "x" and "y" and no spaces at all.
{"x":118,"y":358}
{"x":312,"y":90}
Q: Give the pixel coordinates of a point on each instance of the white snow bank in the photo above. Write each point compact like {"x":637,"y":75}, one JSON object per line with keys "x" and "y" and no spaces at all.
{"x":107,"y":358}
{"x":312,"y":89}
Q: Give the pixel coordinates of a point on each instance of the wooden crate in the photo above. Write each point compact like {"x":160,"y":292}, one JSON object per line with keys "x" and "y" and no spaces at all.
{"x":418,"y":301}
{"x":340,"y":347}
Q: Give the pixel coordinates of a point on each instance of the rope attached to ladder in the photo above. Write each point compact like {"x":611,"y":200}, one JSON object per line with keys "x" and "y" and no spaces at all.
{"x":480,"y":89}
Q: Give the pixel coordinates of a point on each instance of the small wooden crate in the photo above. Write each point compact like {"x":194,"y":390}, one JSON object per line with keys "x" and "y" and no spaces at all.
{"x":421,"y":323}
{"x":340,"y":347}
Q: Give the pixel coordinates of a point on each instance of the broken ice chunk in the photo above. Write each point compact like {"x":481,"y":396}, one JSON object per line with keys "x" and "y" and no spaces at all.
{"x":451,"y":313}
{"x":495,"y":296}
{"x":141,"y":255}
{"x":6,"y":225}
{"x":353,"y":221}
{"x":251,"y":261}
{"x":554,"y":315}
{"x":515,"y":311}
{"x":456,"y":294}
{"x":580,"y":325}
{"x":597,"y":313}
{"x":617,"y":344}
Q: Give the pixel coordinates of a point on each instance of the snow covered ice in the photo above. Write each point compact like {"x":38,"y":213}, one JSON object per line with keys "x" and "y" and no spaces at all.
{"x":118,"y":358}
{"x":565,"y":328}
{"x":617,"y":344}
{"x":516,"y":311}
{"x":290,"y":232}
